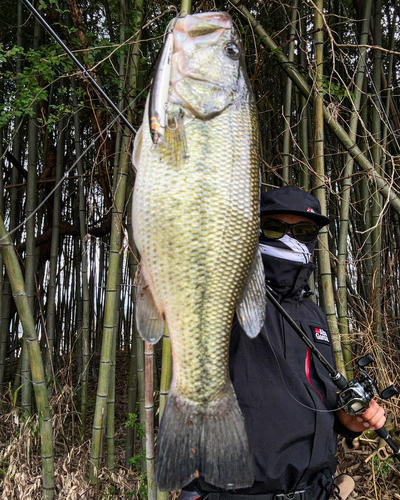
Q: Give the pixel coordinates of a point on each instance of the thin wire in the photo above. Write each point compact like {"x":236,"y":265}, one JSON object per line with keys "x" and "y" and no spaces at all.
{"x":65,"y":175}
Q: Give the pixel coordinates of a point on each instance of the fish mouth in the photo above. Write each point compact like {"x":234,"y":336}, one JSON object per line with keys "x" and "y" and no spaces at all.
{"x":203,"y":24}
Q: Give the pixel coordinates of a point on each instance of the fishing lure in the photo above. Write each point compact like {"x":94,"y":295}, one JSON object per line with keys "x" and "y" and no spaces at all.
{"x":158,"y":115}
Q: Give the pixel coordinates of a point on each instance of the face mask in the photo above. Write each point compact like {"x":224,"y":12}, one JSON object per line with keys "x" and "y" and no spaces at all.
{"x":287,"y":248}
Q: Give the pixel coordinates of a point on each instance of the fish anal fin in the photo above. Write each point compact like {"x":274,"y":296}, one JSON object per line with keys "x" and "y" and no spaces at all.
{"x":149,"y":320}
{"x":251,"y":306}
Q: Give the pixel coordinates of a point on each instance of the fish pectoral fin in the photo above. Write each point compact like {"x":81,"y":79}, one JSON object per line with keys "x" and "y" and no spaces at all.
{"x":251,"y":306}
{"x":137,"y":148}
{"x":176,"y":138}
{"x":149,"y":320}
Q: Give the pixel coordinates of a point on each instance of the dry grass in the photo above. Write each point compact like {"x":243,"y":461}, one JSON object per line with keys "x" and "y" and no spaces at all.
{"x":22,"y":479}
{"x":377,"y":478}
{"x":370,"y":461}
{"x":20,"y":464}
{"x":372,"y":468}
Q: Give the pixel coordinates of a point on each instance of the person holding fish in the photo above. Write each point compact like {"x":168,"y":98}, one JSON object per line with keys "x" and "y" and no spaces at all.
{"x":287,"y":398}
{"x":248,"y":412}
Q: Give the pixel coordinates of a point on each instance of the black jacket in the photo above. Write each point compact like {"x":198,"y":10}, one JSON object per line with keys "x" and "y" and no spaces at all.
{"x":280,"y":386}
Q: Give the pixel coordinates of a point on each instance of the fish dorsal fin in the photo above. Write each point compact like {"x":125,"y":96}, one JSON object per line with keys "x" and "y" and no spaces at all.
{"x":149,"y":320}
{"x":137,"y":148}
{"x":251,"y":306}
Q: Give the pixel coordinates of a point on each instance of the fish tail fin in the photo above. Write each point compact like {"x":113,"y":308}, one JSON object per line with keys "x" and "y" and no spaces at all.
{"x":211,"y":443}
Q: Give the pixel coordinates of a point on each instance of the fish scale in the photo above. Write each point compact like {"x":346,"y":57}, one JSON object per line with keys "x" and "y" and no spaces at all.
{"x":195,"y":223}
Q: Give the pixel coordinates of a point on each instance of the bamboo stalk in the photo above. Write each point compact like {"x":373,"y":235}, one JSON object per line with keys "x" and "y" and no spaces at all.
{"x":166,"y":370}
{"x":51,"y":300}
{"x":384,"y":186}
{"x":132,"y":399}
{"x":133,"y":368}
{"x":78,"y":301}
{"x":109,"y":313}
{"x":137,"y":343}
{"x":35,"y":357}
{"x":110,"y":431}
{"x":388,"y":84}
{"x":31,"y":192}
{"x":141,"y":385}
{"x":25,"y":375}
{"x":85,"y":332}
{"x":346,"y":190}
{"x":319,"y":166}
{"x":166,"y":377}
{"x":288,"y":98}
{"x":110,"y":434}
{"x":30,"y":260}
{"x":303,"y":126}
{"x":394,"y":308}
{"x":149,"y":408}
{"x":186,"y":7}
{"x":377,"y":201}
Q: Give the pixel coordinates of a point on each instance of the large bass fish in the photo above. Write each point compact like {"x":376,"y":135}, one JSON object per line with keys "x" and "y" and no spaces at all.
{"x":195,"y":224}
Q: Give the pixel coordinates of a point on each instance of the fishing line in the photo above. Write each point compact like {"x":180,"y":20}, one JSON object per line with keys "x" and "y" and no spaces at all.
{"x":287,"y":388}
{"x":87,"y":75}
{"x":65,"y":175}
{"x":84,"y":71}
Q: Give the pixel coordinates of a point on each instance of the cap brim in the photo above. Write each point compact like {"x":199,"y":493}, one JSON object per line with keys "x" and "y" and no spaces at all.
{"x":320,"y":220}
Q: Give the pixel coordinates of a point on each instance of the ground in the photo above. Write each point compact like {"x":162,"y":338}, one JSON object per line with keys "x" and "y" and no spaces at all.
{"x":368,"y":462}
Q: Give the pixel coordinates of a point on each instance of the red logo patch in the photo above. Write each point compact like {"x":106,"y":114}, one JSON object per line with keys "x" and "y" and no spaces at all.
{"x":321,"y":335}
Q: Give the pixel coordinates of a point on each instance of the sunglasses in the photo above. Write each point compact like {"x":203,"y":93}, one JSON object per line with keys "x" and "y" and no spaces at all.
{"x":304,"y":232}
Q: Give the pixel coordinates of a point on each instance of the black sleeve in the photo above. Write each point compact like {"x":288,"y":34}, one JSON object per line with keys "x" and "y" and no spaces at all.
{"x":191,"y":491}
{"x":339,"y":428}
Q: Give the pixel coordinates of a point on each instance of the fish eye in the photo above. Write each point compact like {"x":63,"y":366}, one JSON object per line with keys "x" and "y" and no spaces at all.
{"x":232,"y":50}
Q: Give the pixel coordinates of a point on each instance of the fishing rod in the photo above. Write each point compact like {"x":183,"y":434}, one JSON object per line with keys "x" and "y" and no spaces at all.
{"x":84,"y":71}
{"x":354,"y":396}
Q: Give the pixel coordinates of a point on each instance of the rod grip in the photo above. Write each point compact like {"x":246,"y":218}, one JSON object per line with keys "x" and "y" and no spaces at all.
{"x":383,"y":433}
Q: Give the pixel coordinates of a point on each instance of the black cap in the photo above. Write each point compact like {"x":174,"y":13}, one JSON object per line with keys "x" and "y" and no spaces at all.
{"x":292,"y":200}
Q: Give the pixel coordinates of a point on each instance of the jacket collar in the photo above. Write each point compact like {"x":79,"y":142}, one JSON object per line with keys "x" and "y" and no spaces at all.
{"x":286,"y":278}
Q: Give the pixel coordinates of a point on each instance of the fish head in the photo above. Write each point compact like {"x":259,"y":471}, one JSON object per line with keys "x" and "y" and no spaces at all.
{"x":207,"y":68}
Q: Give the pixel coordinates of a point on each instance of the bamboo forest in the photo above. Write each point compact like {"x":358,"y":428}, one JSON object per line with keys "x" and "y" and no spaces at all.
{"x":81,"y":394}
